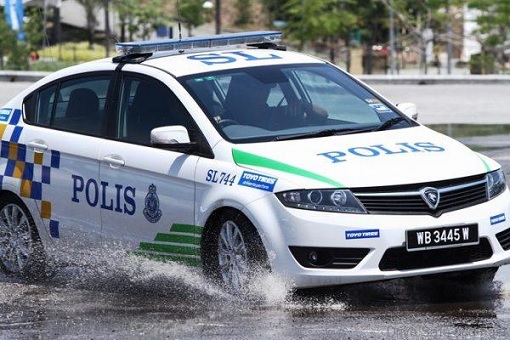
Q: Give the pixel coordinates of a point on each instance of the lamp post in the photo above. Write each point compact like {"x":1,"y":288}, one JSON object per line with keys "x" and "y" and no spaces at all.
{"x":217,"y":13}
{"x":392,"y":40}
{"x":448,"y":39}
{"x":107,"y":33}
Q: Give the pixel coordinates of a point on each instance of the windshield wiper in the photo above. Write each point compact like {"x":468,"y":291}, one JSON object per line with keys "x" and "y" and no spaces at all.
{"x":322,"y":133}
{"x":389,"y":123}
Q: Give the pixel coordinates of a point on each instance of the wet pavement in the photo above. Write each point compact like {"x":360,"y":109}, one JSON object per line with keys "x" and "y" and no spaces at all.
{"x":113,"y":296}
{"x":129,"y":298}
{"x":157,"y":301}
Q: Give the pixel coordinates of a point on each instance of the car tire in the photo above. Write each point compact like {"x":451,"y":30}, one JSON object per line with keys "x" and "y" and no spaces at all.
{"x":232,"y":251}
{"x":21,"y":250}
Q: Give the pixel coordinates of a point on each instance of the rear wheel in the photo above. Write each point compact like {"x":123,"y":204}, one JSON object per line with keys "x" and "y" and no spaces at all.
{"x":233,"y":252}
{"x":21,"y":250}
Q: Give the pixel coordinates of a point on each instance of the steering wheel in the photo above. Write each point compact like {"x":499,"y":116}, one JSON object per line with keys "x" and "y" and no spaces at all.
{"x":226,"y":122}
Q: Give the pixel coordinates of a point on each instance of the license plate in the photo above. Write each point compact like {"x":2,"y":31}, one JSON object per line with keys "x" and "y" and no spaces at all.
{"x":441,"y":237}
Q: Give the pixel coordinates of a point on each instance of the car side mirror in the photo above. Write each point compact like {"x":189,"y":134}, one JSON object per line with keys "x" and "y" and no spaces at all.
{"x":409,"y":109}
{"x":174,"y":138}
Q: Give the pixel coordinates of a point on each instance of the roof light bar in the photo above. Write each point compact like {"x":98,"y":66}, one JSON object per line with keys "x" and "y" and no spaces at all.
{"x":222,"y":40}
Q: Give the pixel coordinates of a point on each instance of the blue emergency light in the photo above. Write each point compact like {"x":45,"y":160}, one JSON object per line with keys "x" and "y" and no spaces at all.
{"x":222,"y":40}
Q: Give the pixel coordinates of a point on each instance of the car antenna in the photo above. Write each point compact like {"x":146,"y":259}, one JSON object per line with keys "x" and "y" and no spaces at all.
{"x":179,"y":21}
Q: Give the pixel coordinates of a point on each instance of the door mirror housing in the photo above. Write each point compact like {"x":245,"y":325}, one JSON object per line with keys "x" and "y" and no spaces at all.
{"x":409,"y":109}
{"x":174,"y":138}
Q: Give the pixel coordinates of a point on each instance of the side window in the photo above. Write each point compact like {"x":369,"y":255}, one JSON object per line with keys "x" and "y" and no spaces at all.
{"x":76,"y":105}
{"x":147,"y":104}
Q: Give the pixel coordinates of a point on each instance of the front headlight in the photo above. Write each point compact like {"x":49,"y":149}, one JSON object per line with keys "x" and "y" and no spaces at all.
{"x":496,"y":183}
{"x":333,"y":200}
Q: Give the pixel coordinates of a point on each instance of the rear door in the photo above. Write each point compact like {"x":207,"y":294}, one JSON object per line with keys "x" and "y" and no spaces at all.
{"x":62,"y":140}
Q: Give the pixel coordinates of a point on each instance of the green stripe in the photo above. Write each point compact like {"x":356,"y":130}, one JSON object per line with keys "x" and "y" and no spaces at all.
{"x":245,"y":158}
{"x":186,"y":228}
{"x":166,"y":248}
{"x":170,"y":258}
{"x":177,"y":238}
{"x":487,"y":167}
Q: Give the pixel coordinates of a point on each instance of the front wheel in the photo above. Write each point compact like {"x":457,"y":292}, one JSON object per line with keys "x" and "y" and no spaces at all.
{"x":21,"y":251}
{"x":233,"y":251}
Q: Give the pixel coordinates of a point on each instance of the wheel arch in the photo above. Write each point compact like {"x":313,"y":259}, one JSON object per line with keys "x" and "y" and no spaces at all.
{"x":210,"y":227}
{"x":33,"y":209}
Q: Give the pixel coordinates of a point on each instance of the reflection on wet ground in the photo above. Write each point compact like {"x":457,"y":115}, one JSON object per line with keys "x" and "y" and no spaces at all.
{"x":131,"y":298}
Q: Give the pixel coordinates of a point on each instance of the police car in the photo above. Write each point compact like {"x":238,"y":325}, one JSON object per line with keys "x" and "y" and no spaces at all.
{"x":242,"y":159}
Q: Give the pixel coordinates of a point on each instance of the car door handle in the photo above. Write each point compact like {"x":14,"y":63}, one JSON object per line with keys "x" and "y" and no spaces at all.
{"x":38,"y":145}
{"x":115,"y":161}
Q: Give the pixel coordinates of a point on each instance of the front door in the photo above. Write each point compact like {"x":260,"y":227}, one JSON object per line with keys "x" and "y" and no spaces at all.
{"x":148,"y":192}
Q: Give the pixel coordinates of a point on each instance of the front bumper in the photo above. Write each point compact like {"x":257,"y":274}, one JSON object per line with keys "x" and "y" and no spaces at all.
{"x":373,"y":247}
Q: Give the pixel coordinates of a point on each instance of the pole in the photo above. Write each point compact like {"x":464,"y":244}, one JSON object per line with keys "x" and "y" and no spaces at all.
{"x":218,"y":16}
{"x":107,"y":27}
{"x":448,"y":39}
{"x":392,"y":41}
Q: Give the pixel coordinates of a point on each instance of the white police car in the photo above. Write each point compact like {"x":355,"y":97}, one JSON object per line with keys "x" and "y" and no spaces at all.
{"x":240,"y":160}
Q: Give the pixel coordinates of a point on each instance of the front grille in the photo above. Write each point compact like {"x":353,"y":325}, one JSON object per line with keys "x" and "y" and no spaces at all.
{"x":454,"y":195}
{"x":334,"y":258}
{"x":400,"y":259}
{"x":504,"y":239}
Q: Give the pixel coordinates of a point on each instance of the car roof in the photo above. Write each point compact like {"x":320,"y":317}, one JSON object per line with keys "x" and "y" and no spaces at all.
{"x":195,"y":55}
{"x":219,"y":60}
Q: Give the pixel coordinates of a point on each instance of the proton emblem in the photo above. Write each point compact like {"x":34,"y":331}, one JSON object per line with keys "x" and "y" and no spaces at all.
{"x":430,"y":196}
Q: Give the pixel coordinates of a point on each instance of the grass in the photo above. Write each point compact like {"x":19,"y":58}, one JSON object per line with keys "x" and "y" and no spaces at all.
{"x":56,"y":57}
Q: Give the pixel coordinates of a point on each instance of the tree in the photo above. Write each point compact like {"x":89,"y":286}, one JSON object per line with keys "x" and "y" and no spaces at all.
{"x":243,"y":8}
{"x":7,"y":40}
{"x":191,"y":14}
{"x":140,"y":17}
{"x":326,"y":21}
{"x":91,"y":7}
{"x":274,"y":11}
{"x":34,"y":27}
{"x":15,"y":50}
{"x":494,"y":27}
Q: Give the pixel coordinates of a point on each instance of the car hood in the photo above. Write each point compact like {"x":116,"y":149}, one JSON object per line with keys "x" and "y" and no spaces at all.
{"x":394,"y":157}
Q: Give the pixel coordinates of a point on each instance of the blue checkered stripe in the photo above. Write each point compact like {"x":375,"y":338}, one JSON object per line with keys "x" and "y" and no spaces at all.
{"x":33,"y":170}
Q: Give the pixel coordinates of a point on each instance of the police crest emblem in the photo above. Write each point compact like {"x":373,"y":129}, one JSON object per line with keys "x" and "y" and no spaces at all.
{"x":152,"y":212}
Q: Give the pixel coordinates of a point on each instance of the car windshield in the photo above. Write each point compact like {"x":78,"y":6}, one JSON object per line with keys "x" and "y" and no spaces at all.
{"x":282,"y":102}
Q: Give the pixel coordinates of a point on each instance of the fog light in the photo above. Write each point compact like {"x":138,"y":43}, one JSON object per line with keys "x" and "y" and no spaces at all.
{"x":313,"y":257}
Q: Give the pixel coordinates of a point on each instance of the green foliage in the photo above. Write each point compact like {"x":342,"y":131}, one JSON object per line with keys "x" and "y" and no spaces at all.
{"x":274,"y":10}
{"x":191,"y":13}
{"x":34,"y":27}
{"x":15,"y":51}
{"x":494,"y":26}
{"x":313,"y":20}
{"x":18,"y":57}
{"x":7,"y":39}
{"x":140,"y":17}
{"x":243,"y":12}
{"x":91,"y":6}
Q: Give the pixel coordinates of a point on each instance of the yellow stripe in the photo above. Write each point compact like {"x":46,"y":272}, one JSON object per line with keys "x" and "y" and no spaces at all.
{"x":2,"y":129}
{"x":38,"y":158}
{"x":18,"y":169}
{"x":46,"y":209}
{"x":13,"y":151}
{"x":26,"y":188}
